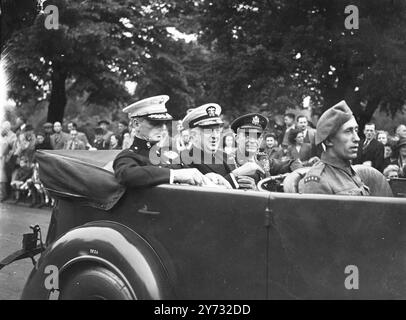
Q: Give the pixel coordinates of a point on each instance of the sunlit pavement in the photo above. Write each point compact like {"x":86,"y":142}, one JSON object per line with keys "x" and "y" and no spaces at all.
{"x":14,"y":221}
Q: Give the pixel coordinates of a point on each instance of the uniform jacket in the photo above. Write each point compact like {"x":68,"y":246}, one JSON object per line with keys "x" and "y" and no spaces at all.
{"x":374,"y":152}
{"x":207,"y":163}
{"x":133,"y":167}
{"x":333,"y":176}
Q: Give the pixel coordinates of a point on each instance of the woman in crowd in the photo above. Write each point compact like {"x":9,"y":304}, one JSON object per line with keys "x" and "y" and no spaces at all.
{"x":298,"y":149}
{"x":391,"y":171}
{"x":114,"y":142}
{"x":382,"y":137}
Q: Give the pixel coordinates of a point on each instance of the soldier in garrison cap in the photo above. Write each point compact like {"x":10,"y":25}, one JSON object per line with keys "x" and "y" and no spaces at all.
{"x":337,"y":129}
{"x":249,"y":129}
{"x":134,"y":167}
{"x":205,"y":126}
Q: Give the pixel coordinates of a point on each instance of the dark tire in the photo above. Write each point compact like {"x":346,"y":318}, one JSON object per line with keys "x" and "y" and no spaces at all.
{"x":94,"y":283}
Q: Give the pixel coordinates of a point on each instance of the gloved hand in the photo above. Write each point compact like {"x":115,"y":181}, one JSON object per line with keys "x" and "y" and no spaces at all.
{"x":246,"y":182}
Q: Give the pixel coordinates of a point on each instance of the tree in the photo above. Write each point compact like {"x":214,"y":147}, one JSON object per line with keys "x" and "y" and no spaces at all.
{"x":98,"y":46}
{"x":275,"y":52}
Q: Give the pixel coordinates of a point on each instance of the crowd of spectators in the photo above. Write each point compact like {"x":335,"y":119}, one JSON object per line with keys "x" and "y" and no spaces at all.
{"x":19,"y":169}
{"x":379,"y":149}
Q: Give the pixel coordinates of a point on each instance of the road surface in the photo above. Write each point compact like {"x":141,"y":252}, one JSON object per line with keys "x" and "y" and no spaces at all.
{"x":14,"y":221}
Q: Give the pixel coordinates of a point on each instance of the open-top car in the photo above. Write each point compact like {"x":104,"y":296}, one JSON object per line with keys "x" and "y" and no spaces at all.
{"x":186,"y":242}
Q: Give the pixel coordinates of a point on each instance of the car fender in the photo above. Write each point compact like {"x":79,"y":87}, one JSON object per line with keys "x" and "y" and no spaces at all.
{"x":106,"y":243}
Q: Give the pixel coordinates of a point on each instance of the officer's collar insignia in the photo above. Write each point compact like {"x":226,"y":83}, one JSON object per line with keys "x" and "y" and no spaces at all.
{"x":211,"y":111}
{"x":255,"y":121}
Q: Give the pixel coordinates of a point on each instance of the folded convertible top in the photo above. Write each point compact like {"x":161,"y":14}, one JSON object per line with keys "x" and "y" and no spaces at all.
{"x":85,"y":175}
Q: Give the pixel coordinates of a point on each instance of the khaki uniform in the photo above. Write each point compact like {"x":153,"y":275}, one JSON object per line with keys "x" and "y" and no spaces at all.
{"x":333,"y":176}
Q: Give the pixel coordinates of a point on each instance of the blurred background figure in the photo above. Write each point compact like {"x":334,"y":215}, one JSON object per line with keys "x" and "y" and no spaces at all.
{"x":382,"y":137}
{"x":289,"y":120}
{"x":19,"y":177}
{"x":400,"y":157}
{"x":229,"y":145}
{"x":270,"y":146}
{"x":47,"y":131}
{"x":183,"y":141}
{"x":74,"y":143}
{"x":80,"y":135}
{"x":391,"y":171}
{"x":59,"y":138}
{"x":114,"y":142}
{"x":298,"y":149}
{"x":104,"y":125}
{"x":99,"y":142}
{"x":400,"y":132}
{"x":7,"y":140}
{"x":25,"y":144}
{"x":127,"y":141}
{"x":370,"y":151}
{"x":122,"y":130}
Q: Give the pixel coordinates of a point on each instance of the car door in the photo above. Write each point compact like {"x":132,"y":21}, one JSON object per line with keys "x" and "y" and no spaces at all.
{"x":213,"y":242}
{"x":336,"y":247}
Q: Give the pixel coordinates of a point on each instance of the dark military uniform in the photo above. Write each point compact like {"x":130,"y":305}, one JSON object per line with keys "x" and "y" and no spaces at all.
{"x":133,"y":166}
{"x":333,"y":176}
{"x":216,"y":163}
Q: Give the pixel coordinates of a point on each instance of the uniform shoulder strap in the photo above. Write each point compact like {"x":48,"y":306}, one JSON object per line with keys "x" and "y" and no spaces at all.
{"x":314,"y":173}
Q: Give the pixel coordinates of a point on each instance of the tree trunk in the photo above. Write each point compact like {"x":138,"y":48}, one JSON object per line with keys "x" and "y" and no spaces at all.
{"x":57,"y":103}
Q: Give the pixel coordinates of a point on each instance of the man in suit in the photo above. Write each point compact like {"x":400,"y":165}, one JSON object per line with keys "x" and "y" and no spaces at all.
{"x":59,"y":138}
{"x":371,"y":151}
{"x":289,"y":120}
{"x":309,"y":134}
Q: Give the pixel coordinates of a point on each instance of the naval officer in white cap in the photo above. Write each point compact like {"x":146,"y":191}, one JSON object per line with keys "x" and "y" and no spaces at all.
{"x":133,"y":167}
{"x":206,"y":126}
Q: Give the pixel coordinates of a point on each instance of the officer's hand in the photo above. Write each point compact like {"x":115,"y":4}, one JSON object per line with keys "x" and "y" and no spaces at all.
{"x":246,"y":183}
{"x":313,"y":160}
{"x":190,"y":176}
{"x":218,"y":180}
{"x":248,"y":169}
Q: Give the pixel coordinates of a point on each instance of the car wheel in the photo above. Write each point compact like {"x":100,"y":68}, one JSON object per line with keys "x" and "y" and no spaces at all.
{"x":94,"y":283}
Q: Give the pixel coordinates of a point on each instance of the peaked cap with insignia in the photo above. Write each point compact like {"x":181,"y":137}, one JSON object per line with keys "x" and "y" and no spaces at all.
{"x":152,"y":108}
{"x":203,"y":116}
{"x":250,"y":121}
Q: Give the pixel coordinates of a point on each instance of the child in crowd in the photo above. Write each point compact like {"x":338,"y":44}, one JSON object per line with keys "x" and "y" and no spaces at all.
{"x":19,"y":177}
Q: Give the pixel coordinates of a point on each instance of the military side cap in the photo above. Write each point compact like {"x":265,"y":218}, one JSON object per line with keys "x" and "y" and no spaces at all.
{"x":331,"y":121}
{"x":47,"y":125}
{"x":250,"y":121}
{"x":152,"y":108}
{"x":203,"y":116}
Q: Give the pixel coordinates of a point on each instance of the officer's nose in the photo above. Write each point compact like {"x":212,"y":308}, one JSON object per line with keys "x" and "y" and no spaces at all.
{"x":356,"y":137}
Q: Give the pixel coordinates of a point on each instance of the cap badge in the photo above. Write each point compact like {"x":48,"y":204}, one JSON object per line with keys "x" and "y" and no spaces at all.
{"x":211,"y":111}
{"x":255,"y":121}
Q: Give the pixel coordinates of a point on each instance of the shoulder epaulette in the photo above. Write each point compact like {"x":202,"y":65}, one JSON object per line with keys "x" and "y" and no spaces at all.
{"x":314,"y":173}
